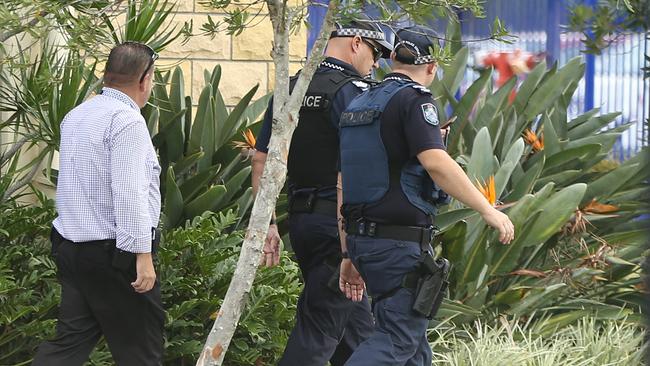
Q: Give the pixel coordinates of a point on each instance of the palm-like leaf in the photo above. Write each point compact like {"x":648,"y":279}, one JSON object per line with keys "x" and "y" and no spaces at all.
{"x":210,"y":174}
{"x":149,"y":23}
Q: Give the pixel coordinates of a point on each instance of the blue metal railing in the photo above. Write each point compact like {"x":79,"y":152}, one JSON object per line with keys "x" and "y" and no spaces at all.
{"x":613,"y":81}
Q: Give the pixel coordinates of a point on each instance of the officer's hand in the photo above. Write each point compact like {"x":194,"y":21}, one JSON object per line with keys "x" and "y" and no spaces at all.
{"x":350,"y":281}
{"x":501,"y":222}
{"x":146,"y":275}
{"x":271,"y":255}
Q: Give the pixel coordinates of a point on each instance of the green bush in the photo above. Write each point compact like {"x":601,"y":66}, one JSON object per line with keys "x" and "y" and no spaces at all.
{"x":580,"y":231}
{"x":196,"y":264}
{"x":29,"y":292}
{"x":201,"y":170}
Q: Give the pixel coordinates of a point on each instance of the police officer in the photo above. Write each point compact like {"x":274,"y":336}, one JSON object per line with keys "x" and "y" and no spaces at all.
{"x":328,"y":325}
{"x":391,"y":152}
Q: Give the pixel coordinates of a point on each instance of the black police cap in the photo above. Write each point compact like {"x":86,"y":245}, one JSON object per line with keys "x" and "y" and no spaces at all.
{"x":413,"y":45}
{"x":364,"y":27}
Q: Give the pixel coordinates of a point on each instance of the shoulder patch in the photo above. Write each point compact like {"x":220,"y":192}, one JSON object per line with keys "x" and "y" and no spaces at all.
{"x":430,"y":113}
{"x":361,"y":84}
{"x":421,"y":89}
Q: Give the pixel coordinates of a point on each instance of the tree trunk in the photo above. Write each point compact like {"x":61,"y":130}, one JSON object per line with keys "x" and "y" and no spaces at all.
{"x":285,"y":113}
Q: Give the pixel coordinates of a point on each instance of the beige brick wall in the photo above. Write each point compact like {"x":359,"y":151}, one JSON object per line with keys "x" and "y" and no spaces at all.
{"x":245,"y":59}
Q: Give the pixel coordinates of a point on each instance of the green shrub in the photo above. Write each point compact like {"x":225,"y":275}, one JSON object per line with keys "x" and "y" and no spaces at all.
{"x":29,"y":292}
{"x":196,"y":264}
{"x":201,"y":170}
{"x":580,"y":231}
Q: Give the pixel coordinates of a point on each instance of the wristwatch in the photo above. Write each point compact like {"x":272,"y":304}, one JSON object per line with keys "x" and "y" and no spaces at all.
{"x":345,"y":255}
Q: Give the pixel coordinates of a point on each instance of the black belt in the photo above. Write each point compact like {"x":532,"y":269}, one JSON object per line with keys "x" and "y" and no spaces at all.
{"x":418,"y":234}
{"x":312,"y":204}
{"x":56,"y":237}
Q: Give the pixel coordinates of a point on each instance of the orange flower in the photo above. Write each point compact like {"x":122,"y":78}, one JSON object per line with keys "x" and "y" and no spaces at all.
{"x":488,"y":190}
{"x":532,"y":140}
{"x":249,"y":140}
{"x":599,"y":208}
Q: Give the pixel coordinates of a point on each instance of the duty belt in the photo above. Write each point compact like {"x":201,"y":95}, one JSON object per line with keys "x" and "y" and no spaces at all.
{"x":312,"y":204}
{"x":418,"y":234}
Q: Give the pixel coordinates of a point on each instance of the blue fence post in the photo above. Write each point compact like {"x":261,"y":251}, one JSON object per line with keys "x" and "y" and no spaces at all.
{"x":316,"y":15}
{"x":590,"y":70}
{"x":461,"y":18}
{"x":553,"y":31}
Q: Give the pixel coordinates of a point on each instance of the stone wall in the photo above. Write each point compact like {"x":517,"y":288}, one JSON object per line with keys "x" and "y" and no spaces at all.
{"x":245,"y":59}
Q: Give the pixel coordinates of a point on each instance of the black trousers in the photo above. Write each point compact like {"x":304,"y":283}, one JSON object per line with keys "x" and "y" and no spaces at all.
{"x":97,"y":299}
{"x":329,"y":327}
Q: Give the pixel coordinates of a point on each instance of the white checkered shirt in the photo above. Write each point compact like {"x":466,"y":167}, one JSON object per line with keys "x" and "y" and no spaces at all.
{"x":108,"y":185}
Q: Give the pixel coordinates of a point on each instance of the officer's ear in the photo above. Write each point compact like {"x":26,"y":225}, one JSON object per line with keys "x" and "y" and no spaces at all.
{"x":356,"y":43}
{"x":432,"y":68}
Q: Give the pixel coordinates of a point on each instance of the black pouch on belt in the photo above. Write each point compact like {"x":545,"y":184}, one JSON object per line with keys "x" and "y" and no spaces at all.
{"x":302,"y":202}
{"x":55,"y":239}
{"x":432,"y":285}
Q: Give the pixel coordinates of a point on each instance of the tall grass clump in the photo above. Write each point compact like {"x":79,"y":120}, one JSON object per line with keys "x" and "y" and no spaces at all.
{"x":588,"y":342}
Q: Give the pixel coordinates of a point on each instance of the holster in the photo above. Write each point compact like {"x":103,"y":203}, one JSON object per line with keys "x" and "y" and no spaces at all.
{"x":333,"y":262}
{"x":302,"y":203}
{"x":309,"y":202}
{"x":431,"y":286}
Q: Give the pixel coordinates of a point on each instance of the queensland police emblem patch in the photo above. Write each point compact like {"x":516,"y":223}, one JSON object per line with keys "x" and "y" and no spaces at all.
{"x":430,"y":113}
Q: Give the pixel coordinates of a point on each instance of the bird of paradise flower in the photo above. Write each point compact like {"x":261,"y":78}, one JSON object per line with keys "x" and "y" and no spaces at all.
{"x":537,"y":142}
{"x":248,"y":145}
{"x":488,"y":190}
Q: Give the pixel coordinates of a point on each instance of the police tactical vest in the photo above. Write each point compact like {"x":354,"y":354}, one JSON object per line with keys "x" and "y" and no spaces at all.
{"x":364,"y":162}
{"x":313,"y":153}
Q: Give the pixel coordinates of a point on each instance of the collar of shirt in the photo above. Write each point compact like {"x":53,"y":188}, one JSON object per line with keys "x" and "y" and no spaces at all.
{"x":397,"y":76}
{"x":336,"y":64}
{"x":122,"y":97}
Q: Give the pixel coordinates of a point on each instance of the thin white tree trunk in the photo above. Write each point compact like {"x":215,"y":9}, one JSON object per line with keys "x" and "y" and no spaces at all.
{"x":285,"y":113}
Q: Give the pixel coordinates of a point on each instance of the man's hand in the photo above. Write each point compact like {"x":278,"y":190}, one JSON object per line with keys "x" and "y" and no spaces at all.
{"x":146,"y":275}
{"x":501,"y":222}
{"x":350,"y":281}
{"x":271,"y":255}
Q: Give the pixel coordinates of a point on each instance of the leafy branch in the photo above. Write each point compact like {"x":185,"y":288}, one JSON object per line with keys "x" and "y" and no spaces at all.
{"x":604,"y":23}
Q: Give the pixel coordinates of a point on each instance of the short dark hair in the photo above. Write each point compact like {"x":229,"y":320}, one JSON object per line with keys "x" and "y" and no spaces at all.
{"x":128,"y":63}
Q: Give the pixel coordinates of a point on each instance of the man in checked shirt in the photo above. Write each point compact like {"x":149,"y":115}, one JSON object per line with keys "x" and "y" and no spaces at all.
{"x":108,"y":204}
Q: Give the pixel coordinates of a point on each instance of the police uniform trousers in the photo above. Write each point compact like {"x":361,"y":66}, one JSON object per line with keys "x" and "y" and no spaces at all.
{"x":98,"y":299}
{"x":399,"y":336}
{"x":329,"y":327}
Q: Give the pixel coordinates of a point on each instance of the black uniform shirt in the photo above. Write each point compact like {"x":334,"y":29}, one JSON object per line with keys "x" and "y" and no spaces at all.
{"x":342,"y":98}
{"x":405,"y":133}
